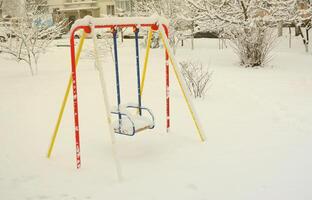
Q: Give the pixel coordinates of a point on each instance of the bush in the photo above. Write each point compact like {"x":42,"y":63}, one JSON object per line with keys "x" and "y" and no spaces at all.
{"x":196,"y":77}
{"x":253,"y":46}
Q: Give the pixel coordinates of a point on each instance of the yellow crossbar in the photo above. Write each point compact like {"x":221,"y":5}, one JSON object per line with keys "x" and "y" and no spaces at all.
{"x":69,"y":85}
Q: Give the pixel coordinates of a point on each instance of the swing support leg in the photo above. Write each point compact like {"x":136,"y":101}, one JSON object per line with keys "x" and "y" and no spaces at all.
{"x":167,"y":87}
{"x":148,"y":48}
{"x":106,"y":103}
{"x":182,"y":85}
{"x":69,"y":84}
{"x":75,"y":100}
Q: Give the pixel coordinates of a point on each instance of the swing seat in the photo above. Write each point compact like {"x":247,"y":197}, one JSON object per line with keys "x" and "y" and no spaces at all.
{"x":131,"y":123}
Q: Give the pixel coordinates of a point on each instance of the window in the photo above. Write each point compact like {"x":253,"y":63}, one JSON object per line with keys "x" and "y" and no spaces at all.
{"x":123,"y":5}
{"x":110,"y":9}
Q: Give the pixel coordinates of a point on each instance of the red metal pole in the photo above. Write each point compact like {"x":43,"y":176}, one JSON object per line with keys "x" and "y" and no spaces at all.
{"x":167,"y":86}
{"x":75,"y":97}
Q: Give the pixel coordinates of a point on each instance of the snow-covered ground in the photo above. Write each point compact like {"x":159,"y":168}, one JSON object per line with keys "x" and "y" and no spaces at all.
{"x":257,"y":122}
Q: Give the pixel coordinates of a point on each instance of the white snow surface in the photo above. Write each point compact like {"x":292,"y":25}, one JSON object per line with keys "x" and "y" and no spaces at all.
{"x":257,"y":123}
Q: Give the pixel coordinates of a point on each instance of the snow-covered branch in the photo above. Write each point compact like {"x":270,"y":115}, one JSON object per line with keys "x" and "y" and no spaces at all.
{"x":245,"y":22}
{"x":30,"y":34}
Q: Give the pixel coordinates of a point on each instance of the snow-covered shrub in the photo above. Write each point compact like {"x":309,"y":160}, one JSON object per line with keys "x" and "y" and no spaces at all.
{"x":253,"y":46}
{"x":155,"y":40}
{"x":196,"y":77}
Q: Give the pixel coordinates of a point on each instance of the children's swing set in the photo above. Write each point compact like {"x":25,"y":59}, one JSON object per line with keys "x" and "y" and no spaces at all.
{"x":128,"y":123}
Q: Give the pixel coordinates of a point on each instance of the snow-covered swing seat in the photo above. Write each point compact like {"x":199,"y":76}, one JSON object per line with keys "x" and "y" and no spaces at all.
{"x":129,"y":123}
{"x":130,"y":116}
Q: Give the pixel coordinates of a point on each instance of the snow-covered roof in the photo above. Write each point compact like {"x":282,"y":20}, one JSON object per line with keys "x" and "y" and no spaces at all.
{"x":90,"y":21}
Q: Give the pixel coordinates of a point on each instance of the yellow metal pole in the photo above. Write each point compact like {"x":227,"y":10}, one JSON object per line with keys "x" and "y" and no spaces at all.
{"x":149,"y":41}
{"x":182,"y":85}
{"x":69,"y":84}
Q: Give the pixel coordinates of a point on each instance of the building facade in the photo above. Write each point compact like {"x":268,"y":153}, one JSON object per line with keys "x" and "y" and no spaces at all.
{"x":76,"y":9}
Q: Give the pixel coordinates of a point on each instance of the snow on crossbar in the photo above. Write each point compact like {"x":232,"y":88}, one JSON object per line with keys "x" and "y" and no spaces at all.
{"x":118,"y":21}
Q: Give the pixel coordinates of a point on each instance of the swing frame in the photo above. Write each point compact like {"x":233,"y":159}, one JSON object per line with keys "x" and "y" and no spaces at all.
{"x":88,"y":25}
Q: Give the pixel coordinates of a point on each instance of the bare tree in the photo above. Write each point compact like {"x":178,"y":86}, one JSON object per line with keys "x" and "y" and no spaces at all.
{"x":245,"y":22}
{"x":30,"y":33}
